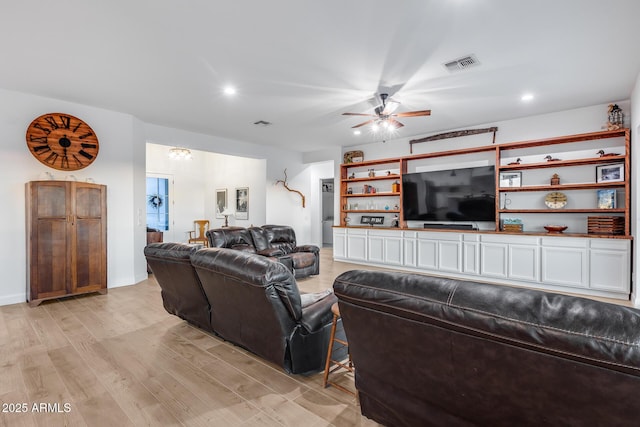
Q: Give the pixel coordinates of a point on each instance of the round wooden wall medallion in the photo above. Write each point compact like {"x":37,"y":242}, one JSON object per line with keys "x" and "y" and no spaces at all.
{"x":62,"y":141}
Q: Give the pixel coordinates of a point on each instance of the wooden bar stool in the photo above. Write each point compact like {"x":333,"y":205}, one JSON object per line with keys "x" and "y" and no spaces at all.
{"x":328,"y":369}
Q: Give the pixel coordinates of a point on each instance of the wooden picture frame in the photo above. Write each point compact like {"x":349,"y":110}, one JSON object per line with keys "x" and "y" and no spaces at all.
{"x":610,"y":173}
{"x":510,"y":179}
{"x":242,"y":203}
{"x":221,"y":202}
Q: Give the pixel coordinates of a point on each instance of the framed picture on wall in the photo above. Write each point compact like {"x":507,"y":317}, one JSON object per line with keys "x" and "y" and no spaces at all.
{"x":221,"y":202}
{"x":242,"y":203}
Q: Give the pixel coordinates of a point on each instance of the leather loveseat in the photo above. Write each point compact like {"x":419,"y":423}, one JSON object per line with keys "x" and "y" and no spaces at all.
{"x":247,"y":299}
{"x":437,"y":352}
{"x":275,"y":241}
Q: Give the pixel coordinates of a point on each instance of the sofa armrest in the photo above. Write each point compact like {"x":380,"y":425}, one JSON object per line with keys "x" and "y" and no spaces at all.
{"x":272,"y":252}
{"x":307,"y":248}
{"x":318,"y":314}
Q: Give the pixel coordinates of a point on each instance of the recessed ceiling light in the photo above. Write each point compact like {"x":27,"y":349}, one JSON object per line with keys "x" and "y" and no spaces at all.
{"x":527,"y":97}
{"x":356,"y":132}
{"x":229,"y":90}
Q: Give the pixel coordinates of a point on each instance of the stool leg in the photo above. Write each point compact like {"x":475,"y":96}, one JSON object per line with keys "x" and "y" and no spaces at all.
{"x":329,"y":351}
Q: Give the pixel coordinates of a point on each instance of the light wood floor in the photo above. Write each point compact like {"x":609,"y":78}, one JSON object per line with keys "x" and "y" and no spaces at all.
{"x":121,"y":360}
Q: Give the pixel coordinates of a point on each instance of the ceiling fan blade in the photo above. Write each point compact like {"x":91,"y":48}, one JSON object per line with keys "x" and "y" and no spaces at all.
{"x":414,"y":113}
{"x":362,"y":124}
{"x":359,"y":114}
{"x":390,"y":107}
{"x":394,"y":123}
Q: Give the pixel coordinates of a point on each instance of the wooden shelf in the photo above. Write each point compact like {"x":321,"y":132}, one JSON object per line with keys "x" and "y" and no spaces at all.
{"x":498,"y":152}
{"x":563,"y":211}
{"x":372,"y":178}
{"x":380,"y":194}
{"x":585,"y":186}
{"x":371,"y":210}
{"x":564,"y":163}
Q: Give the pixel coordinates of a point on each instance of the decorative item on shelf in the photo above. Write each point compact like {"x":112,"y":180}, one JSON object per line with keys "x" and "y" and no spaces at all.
{"x":371,"y":220}
{"x":510,"y":179}
{"x":506,"y":202}
{"x":352,"y":176}
{"x":606,"y":198}
{"x":353,"y":156}
{"x":347,"y":220}
{"x":555,"y":179}
{"x":285,"y":185}
{"x":395,"y":187}
{"x":512,"y":225}
{"x":388,"y":173}
{"x":386,"y":207}
{"x":396,"y":208}
{"x":605,"y":225}
{"x":395,"y":221}
{"x":615,"y":117}
{"x":601,"y":153}
{"x":549,"y":158}
{"x":46,"y":176}
{"x":555,"y":229}
{"x":372,"y":173}
{"x":555,"y":200}
{"x":349,"y":190}
{"x":610,"y":173}
{"x":517,"y":162}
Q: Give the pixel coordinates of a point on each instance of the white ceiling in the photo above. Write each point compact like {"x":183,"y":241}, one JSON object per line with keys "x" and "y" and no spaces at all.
{"x":300,"y":64}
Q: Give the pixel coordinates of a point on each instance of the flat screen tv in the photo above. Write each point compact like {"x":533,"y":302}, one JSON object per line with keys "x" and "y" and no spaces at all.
{"x":467,"y":194}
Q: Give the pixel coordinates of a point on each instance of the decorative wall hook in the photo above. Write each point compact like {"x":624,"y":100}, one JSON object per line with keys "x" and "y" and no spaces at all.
{"x":284,"y":183}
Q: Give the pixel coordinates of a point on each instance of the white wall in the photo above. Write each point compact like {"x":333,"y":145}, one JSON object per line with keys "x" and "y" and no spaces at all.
{"x":115,"y":167}
{"x":635,"y":184}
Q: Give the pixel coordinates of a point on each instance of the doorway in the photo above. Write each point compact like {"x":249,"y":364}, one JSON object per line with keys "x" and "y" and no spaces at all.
{"x":326,"y":201}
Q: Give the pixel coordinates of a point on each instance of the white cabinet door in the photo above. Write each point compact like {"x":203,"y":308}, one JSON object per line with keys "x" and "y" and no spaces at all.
{"x":357,"y":246}
{"x":410,"y":252}
{"x":393,"y":250}
{"x":376,"y":249}
{"x":524,"y":262}
{"x":565,"y":266}
{"x":470,"y":258}
{"x":428,"y":254}
{"x":339,"y":243}
{"x":493,"y":259}
{"x":450,"y":256}
{"x":609,"y":270}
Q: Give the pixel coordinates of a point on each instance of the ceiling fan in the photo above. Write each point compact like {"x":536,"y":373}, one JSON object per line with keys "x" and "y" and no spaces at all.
{"x":384,"y":114}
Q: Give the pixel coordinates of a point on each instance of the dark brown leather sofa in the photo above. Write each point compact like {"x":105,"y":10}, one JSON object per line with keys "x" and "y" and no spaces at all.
{"x":437,"y":352}
{"x":182,"y":292}
{"x":247,"y":299}
{"x":276,"y":241}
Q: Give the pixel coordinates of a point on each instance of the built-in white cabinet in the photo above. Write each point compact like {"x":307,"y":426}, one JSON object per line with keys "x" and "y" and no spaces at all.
{"x":592,"y":266}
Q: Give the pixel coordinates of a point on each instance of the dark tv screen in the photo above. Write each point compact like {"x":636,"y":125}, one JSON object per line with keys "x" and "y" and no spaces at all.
{"x":450,"y":195}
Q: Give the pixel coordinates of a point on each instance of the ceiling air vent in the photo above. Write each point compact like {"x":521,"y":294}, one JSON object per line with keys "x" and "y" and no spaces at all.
{"x":262,"y":123}
{"x":462,"y":63}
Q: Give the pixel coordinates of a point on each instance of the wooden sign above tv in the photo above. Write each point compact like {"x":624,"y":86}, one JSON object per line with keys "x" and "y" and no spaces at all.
{"x":371,"y":220}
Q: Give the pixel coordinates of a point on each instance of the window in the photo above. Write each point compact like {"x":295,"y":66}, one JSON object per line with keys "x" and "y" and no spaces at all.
{"x":158,"y":203}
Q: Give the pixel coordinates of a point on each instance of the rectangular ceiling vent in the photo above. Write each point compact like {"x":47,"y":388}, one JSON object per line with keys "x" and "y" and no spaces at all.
{"x":462,"y":63}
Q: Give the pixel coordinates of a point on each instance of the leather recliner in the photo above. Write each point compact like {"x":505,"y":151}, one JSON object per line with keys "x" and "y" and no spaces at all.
{"x":182,"y":293}
{"x":275,"y":241}
{"x":255,"y":303}
{"x":431,"y":351}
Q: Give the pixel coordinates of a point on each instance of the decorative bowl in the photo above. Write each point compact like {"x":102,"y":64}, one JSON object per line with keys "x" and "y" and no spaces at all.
{"x":555,"y":228}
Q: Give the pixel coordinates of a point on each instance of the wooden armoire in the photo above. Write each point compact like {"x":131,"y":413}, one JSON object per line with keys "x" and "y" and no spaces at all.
{"x":66,"y":239}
